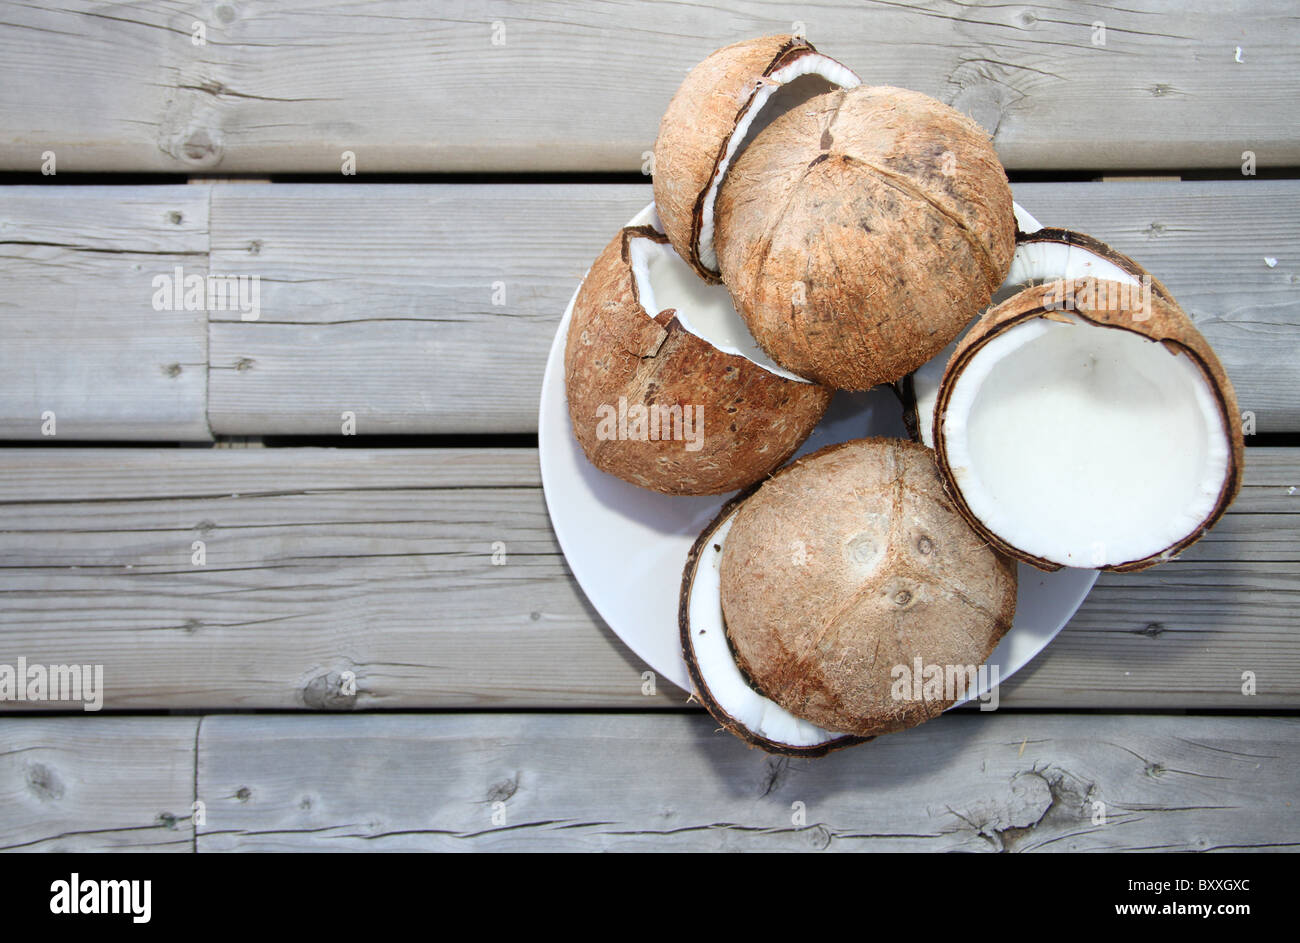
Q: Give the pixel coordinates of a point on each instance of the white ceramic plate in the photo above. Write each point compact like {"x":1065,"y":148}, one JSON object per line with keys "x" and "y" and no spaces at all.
{"x":627,"y":546}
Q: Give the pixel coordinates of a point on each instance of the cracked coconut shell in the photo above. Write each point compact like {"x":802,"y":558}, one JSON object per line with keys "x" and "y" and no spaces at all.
{"x":859,"y":233}
{"x":848,"y":563}
{"x":752,"y":419}
{"x":695,"y":134}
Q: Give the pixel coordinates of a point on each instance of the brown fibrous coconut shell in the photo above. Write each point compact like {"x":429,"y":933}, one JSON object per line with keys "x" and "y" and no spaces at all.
{"x":1103,"y":304}
{"x":699,"y":684}
{"x":849,"y":563}
{"x":858,"y":234}
{"x":697,"y":127}
{"x":752,"y":419}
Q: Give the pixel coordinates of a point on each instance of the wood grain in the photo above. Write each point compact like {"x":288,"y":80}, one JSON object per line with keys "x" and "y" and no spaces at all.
{"x":318,"y":563}
{"x":321,"y":562}
{"x":430,"y":308}
{"x":82,"y":339}
{"x":505,"y":85}
{"x":90,"y":783}
{"x":416,"y":308}
{"x":379,"y":300}
{"x":996,"y":782}
{"x":668,"y":782}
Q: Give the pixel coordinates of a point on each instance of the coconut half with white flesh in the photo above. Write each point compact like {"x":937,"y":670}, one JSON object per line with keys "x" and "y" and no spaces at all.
{"x":1086,"y":422}
{"x":719,"y":108}
{"x":716,"y":679}
{"x":1042,"y":255}
{"x":665,"y":386}
{"x":800,"y":604}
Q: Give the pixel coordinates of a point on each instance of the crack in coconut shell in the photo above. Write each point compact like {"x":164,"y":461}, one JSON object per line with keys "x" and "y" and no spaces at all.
{"x":992,"y":274}
{"x":918,"y":386}
{"x":1164,"y":323}
{"x":890,"y":571}
{"x":617,"y":353}
{"x":855,"y":264}
{"x":699,"y":682}
{"x":697,"y":129}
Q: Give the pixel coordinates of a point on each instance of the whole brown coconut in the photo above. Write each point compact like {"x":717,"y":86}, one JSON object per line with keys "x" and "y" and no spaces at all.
{"x":848,"y":565}
{"x":858,"y":234}
{"x":718,"y":102}
{"x":658,"y":406}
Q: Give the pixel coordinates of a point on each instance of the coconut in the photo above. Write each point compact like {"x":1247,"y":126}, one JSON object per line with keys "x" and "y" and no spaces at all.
{"x":1043,"y":255}
{"x":715,"y":678}
{"x":1086,"y":422}
{"x":860,"y":232}
{"x":723,"y":102}
{"x":666,"y":388}
{"x":848,"y":570}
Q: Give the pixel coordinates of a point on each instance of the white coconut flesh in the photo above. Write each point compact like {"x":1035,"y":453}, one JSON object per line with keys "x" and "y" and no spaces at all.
{"x":1041,"y":260}
{"x":1035,"y":260}
{"x":925,"y":388}
{"x":726,"y":684}
{"x":1083,"y":445}
{"x":664,"y":280}
{"x":785,"y":89}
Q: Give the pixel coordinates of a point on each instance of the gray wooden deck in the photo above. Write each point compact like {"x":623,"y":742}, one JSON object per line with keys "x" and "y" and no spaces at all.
{"x":374,"y":563}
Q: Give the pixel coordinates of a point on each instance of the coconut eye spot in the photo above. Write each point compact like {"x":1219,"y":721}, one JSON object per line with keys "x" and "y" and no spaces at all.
{"x":900,"y":593}
{"x":664,"y":280}
{"x":862,"y":550}
{"x":1084,"y":445}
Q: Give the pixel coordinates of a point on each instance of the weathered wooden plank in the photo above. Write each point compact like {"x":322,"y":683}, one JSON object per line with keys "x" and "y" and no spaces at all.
{"x":992,"y":782}
{"x":415,"y":308}
{"x":320,"y":562}
{"x":316,"y":564}
{"x":504,"y":85}
{"x":83,"y":342}
{"x":379,"y":301}
{"x":132,"y":475}
{"x":97,"y":783}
